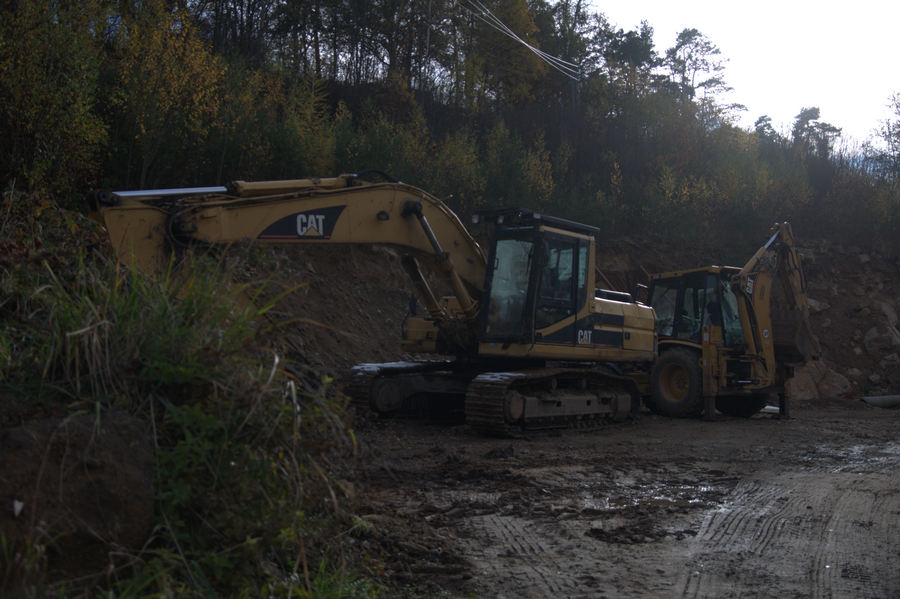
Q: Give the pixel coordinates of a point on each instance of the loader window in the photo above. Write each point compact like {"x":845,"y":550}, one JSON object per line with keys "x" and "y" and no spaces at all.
{"x":509,"y":287}
{"x":713,"y":313}
{"x":680,"y":304}
{"x":731,"y":319}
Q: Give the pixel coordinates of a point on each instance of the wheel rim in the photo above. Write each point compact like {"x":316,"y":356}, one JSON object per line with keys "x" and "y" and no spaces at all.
{"x":674,"y":383}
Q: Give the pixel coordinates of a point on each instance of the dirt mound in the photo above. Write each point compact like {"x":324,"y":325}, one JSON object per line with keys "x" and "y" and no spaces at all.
{"x":65,"y":485}
{"x":348,"y":305}
{"x":854,"y":304}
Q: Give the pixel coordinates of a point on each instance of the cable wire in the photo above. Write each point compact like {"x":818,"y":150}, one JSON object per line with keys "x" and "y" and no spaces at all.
{"x":483,"y":14}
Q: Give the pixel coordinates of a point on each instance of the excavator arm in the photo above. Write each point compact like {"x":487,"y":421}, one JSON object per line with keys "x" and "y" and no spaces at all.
{"x":146,"y":227}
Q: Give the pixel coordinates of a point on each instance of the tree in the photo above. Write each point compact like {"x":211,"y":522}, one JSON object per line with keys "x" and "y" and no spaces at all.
{"x":889,"y":158}
{"x":694,"y":56}
{"x":49,"y":59}
{"x":809,"y":135}
{"x":168,"y":89}
{"x":510,"y":69}
{"x":237,"y":27}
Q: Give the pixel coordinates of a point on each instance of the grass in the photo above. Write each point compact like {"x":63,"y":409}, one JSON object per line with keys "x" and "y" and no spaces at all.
{"x":251,"y":451}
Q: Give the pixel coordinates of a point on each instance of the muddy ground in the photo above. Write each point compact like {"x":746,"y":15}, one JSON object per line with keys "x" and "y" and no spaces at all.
{"x":761,"y":507}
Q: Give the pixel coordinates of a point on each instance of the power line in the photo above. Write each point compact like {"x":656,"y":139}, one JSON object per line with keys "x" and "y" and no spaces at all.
{"x":483,"y":14}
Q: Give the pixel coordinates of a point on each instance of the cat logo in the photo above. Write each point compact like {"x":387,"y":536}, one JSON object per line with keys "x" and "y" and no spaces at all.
{"x":584,"y":337}
{"x":310,"y":224}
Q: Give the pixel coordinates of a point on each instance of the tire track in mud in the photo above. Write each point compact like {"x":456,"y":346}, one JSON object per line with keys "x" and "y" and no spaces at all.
{"x":731,"y":514}
{"x":526,"y":559}
{"x":838,"y":527}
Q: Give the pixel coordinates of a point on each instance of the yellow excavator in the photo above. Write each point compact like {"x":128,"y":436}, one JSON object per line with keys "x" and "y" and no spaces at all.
{"x":530,"y":342}
{"x":730,"y":337}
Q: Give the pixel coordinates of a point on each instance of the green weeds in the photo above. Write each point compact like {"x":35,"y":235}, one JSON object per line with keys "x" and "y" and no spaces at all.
{"x":251,"y":452}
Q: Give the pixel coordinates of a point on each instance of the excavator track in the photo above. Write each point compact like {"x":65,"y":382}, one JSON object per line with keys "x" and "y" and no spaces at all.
{"x":366,"y":389}
{"x":512,"y":403}
{"x":498,"y":403}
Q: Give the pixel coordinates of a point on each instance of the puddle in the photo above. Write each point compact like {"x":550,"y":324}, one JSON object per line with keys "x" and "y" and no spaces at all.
{"x":858,"y":457}
{"x":656,"y":496}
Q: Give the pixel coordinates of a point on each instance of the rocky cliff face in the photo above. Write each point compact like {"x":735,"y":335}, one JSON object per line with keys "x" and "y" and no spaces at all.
{"x":855,"y":297}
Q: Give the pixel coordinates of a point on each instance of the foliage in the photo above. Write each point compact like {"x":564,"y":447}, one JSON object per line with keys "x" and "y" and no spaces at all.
{"x":21,"y":568}
{"x":154,"y":94}
{"x":167,"y":95}
{"x":251,"y":451}
{"x":49,"y":69}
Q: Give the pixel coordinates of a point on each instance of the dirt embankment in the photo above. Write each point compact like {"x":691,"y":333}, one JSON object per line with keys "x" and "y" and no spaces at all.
{"x":352,"y":300}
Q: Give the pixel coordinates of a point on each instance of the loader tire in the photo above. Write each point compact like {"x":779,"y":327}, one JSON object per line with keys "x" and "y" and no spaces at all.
{"x":676,"y":385}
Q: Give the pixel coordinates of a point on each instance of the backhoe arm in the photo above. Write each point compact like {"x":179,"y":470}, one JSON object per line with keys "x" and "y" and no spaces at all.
{"x":146,"y":226}
{"x":774,"y":275}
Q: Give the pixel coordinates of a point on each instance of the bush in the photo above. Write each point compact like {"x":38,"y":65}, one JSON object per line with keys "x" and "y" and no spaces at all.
{"x":251,"y":451}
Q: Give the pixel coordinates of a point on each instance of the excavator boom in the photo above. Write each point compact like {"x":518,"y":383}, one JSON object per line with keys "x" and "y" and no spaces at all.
{"x":145,"y":227}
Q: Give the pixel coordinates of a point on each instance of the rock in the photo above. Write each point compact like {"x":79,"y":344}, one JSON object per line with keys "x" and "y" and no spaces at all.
{"x":890,"y":360}
{"x":814,"y":380}
{"x":888,"y":310}
{"x":854,"y":372}
{"x":864,"y":259}
{"x":874,"y":378}
{"x":816,"y":306}
{"x":84,"y":485}
{"x":879,"y":342}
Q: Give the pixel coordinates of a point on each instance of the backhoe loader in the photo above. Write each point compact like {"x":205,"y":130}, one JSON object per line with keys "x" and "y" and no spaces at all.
{"x":730,"y":337}
{"x":529,"y":341}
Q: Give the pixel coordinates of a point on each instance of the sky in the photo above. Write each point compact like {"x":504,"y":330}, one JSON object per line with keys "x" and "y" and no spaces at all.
{"x":789,"y":55}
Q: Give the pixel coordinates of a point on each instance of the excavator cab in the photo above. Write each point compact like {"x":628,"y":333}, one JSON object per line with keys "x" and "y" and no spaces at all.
{"x":537,"y":278}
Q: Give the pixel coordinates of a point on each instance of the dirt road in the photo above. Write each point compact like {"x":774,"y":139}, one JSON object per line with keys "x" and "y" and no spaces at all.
{"x":808,"y":507}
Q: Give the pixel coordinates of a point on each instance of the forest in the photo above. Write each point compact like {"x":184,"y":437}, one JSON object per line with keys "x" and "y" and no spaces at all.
{"x":531,"y":103}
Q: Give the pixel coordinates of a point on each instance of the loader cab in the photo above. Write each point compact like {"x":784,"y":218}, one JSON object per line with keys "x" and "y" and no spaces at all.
{"x":538,"y":275}
{"x":687,"y":301}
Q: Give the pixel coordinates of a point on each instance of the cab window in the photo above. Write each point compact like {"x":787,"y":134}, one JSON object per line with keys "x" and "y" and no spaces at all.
{"x":558,"y":280}
{"x":509,"y":287}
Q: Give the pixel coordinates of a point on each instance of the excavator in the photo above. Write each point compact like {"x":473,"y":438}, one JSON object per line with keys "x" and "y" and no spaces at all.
{"x":527,"y":341}
{"x":730,"y":337}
